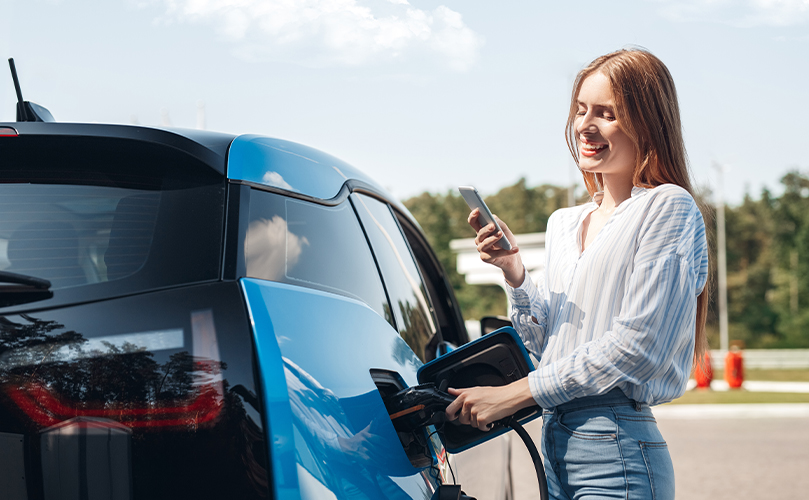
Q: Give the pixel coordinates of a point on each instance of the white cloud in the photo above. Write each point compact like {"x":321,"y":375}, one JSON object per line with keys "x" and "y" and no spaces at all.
{"x":333,"y":32}
{"x":780,"y":12}
{"x":271,"y":249}
{"x":277,"y":180}
{"x":744,"y":13}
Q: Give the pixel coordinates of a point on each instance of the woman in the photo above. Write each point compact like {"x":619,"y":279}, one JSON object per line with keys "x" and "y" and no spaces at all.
{"x":617,"y":316}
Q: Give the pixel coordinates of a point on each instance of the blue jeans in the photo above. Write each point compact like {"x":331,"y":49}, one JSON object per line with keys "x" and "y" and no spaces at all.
{"x":605,"y":447}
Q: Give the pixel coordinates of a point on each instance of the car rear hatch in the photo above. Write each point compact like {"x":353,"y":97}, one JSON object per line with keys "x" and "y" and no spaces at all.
{"x":126,"y":365}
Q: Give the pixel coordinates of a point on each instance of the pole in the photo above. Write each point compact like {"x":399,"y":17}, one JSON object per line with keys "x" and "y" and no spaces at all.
{"x":722,"y":259}
{"x":793,"y":282}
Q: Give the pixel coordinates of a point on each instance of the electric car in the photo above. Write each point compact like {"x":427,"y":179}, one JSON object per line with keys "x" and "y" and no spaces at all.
{"x":187,"y":314}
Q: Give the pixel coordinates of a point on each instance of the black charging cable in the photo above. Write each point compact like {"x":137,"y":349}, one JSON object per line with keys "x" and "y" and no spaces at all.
{"x":417,"y":407}
{"x":532,"y":449}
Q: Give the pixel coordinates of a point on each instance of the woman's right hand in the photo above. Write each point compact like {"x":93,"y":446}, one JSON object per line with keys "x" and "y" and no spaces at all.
{"x":487,"y":238}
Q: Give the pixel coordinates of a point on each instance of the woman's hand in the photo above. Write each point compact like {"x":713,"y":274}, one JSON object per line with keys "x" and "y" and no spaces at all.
{"x":487,"y":238}
{"x":481,"y":406}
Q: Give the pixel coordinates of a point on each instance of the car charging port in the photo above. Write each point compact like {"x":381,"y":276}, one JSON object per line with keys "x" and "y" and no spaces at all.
{"x":414,"y":438}
{"x":417,"y":407}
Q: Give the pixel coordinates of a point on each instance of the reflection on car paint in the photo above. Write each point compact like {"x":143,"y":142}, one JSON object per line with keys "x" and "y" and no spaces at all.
{"x":290,"y":166}
{"x":335,"y":414}
{"x":344,"y":459}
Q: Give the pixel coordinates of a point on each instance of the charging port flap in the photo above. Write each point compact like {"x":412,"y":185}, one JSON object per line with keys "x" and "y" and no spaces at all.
{"x":496,"y":359}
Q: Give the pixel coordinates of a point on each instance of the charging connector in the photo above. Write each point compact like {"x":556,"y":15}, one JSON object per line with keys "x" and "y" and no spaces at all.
{"x":415,"y":407}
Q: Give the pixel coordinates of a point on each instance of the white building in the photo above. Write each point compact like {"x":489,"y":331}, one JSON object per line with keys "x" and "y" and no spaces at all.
{"x":477,"y":272}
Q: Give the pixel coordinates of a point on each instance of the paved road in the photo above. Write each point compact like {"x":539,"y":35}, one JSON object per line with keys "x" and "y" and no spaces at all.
{"x":714,"y":459}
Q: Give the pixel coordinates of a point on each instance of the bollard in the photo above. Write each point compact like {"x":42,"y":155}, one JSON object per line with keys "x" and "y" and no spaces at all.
{"x":734,"y":367}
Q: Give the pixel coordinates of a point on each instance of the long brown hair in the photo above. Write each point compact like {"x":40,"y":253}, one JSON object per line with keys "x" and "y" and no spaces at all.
{"x":647,"y":111}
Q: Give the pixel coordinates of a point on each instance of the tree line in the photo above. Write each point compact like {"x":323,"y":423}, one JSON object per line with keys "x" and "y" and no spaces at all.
{"x":767,"y":240}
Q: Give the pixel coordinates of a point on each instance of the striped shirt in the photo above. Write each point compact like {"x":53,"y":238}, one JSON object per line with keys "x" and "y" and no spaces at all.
{"x":623,"y":312}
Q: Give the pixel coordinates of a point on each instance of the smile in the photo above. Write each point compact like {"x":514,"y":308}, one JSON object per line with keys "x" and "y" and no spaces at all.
{"x":591,"y":149}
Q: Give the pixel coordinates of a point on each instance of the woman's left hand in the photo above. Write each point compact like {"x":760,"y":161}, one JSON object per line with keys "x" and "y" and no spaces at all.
{"x":482,"y":406}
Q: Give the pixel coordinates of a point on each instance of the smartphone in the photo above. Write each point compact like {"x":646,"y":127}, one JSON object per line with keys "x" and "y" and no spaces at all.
{"x":474,"y":200}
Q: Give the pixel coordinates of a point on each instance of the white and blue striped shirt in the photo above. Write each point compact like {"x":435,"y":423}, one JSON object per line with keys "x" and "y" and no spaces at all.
{"x":623,"y":312}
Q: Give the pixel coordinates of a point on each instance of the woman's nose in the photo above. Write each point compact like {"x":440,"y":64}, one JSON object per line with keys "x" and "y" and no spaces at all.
{"x":585,"y":123}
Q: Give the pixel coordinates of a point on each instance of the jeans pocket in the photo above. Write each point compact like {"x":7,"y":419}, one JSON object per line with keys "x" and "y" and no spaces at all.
{"x":586,"y":446}
{"x":661,"y":471}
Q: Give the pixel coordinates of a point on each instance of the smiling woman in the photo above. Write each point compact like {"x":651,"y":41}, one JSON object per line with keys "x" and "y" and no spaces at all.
{"x":617,"y":315}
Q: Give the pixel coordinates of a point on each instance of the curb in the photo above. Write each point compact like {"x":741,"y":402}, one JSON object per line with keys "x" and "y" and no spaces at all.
{"x":731,"y":411}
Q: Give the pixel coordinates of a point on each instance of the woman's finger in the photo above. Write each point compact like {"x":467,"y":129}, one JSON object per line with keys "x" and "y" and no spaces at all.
{"x":484,"y":232}
{"x":490,"y":240}
{"x":474,"y":219}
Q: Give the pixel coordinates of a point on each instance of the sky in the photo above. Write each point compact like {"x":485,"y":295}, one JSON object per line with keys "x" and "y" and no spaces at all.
{"x":422,"y":95}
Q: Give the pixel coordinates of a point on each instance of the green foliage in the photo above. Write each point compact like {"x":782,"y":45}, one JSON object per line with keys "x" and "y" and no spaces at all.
{"x":767,"y":243}
{"x":443,"y":217}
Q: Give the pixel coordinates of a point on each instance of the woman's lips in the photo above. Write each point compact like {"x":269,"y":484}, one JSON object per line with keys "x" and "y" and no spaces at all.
{"x":588,"y":149}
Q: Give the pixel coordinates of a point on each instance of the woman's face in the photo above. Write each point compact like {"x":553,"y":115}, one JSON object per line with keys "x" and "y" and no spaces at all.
{"x":603,"y":146}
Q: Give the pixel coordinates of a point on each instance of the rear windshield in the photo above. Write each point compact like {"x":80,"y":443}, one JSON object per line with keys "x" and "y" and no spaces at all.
{"x":101,"y":217}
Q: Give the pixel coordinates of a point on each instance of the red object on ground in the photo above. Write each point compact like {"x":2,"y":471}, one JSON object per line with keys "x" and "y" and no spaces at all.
{"x":703,"y":374}
{"x":734,"y":369}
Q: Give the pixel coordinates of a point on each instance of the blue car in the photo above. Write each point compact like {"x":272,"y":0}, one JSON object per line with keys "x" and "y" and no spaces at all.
{"x":186,"y":314}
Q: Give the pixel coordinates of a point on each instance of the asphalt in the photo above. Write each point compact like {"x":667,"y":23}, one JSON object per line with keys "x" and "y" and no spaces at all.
{"x":720,"y":452}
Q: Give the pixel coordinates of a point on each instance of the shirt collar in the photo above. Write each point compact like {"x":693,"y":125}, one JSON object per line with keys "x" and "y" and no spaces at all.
{"x":638,"y":191}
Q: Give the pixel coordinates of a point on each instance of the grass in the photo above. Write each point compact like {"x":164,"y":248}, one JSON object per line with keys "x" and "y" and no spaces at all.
{"x":795,"y":375}
{"x":742,"y":396}
{"x":698,"y":396}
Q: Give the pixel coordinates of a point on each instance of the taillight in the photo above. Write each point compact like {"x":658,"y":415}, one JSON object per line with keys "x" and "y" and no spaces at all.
{"x":199,"y":402}
{"x":8,"y":132}
{"x":44,"y":407}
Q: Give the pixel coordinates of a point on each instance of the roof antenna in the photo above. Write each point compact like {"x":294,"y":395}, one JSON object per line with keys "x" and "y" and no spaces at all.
{"x":27,"y":111}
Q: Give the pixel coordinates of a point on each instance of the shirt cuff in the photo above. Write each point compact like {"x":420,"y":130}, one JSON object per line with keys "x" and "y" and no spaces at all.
{"x":546,"y":387}
{"x":523,"y":294}
{"x":522,"y":286}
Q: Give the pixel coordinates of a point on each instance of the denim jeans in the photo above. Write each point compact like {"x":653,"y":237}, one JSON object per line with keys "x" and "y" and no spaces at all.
{"x":605,"y":447}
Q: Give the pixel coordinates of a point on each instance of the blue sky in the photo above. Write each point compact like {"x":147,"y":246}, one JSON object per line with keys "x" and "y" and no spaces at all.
{"x":423,"y":95}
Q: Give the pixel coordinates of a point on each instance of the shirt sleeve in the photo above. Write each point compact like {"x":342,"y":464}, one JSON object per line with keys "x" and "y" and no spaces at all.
{"x":657,"y":318}
{"x":529,"y":313}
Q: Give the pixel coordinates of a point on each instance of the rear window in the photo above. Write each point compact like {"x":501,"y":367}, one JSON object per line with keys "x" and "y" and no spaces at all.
{"x":99,"y":217}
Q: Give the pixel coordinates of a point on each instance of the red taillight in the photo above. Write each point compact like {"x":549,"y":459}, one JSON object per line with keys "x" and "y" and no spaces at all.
{"x":47,"y":409}
{"x":47,"y":403}
{"x":8,"y":132}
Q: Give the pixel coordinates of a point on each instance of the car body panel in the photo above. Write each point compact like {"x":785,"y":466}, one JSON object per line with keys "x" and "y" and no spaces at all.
{"x":209,"y":147}
{"x":289,"y":166}
{"x":325,"y":413}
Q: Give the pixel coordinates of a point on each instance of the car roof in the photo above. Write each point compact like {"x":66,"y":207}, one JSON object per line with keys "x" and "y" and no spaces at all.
{"x":253,"y":159}
{"x":293,"y":167}
{"x":208,"y":147}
